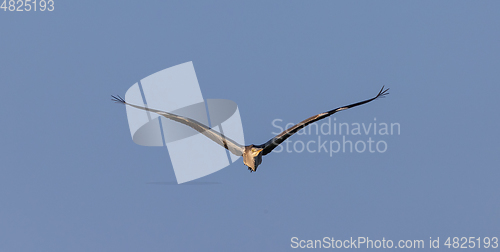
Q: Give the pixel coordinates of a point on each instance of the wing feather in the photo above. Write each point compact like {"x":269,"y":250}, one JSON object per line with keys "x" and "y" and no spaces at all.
{"x":215,"y":136}
{"x":277,"y":140}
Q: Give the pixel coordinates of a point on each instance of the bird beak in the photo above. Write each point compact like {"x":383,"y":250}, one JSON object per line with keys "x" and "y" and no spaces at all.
{"x":260,"y":150}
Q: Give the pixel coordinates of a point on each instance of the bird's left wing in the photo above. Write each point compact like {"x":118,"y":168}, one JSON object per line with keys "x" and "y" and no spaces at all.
{"x":215,"y":136}
{"x":277,"y":140}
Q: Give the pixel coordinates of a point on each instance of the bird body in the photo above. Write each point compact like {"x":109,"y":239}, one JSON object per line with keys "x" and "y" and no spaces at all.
{"x":252,"y":154}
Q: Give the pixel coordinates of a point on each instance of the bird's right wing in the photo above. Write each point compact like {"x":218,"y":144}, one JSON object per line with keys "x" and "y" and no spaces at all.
{"x":215,"y":136}
{"x":277,"y":140}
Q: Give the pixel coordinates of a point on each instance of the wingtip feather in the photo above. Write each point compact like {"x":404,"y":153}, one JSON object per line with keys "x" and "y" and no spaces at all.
{"x":382,"y":92}
{"x":118,"y":99}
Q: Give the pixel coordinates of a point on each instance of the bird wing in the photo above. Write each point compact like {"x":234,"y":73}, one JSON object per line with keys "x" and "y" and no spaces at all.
{"x":277,"y":140}
{"x":215,"y":136}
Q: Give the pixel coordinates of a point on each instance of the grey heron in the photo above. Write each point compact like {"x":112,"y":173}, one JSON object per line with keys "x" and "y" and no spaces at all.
{"x":252,"y":154}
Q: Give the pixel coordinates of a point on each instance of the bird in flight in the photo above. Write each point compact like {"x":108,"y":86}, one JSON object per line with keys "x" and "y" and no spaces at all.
{"x":252,"y":154}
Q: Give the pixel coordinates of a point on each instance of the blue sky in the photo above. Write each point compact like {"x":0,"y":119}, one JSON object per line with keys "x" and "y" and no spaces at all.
{"x":73,"y":180}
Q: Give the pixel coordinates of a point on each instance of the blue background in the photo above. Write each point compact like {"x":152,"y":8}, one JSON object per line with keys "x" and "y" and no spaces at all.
{"x":71,"y":179}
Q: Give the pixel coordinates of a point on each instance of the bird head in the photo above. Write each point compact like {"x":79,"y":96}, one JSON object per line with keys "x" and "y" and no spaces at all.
{"x":252,"y":157}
